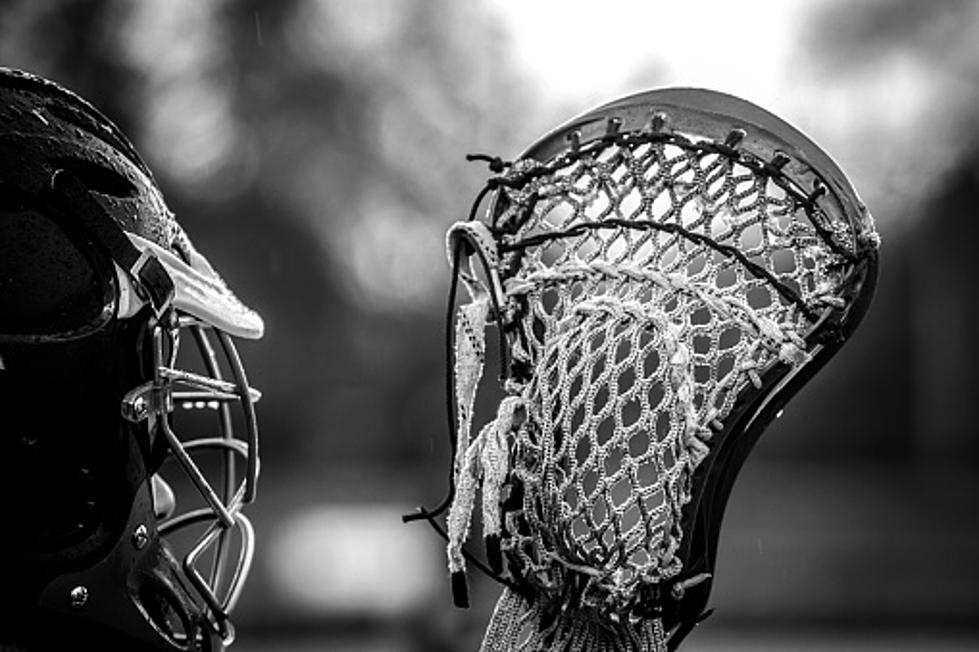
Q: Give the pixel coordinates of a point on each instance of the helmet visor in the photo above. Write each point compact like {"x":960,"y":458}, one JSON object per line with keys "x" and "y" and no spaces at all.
{"x":54,"y":284}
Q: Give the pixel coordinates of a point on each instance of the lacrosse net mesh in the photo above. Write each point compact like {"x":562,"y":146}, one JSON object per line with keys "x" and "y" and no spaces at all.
{"x":644,"y":282}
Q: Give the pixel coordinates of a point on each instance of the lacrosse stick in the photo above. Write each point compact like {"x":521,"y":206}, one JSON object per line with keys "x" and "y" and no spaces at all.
{"x":665,"y":272}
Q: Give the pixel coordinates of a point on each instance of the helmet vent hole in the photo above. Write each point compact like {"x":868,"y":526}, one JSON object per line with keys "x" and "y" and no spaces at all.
{"x":97,"y":178}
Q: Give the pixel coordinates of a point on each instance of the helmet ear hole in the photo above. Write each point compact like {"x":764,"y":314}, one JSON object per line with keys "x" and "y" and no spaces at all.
{"x":97,"y":178}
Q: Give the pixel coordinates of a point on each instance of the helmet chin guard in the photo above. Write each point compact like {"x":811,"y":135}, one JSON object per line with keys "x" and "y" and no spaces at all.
{"x":664,"y":272}
{"x":111,"y":344}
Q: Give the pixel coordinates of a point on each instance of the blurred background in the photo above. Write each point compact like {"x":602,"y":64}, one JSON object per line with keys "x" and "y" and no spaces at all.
{"x":314,"y":150}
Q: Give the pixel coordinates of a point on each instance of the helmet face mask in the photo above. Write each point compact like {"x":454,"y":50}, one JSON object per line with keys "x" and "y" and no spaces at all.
{"x":104,"y":304}
{"x":212,"y":525}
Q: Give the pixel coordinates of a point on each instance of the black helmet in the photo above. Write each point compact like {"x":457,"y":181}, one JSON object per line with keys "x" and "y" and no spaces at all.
{"x":98,"y":287}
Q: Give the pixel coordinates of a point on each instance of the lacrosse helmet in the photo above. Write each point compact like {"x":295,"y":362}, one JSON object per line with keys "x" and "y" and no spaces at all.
{"x":98,"y":286}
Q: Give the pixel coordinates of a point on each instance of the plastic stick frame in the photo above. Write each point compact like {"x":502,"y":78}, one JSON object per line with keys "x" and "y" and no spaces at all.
{"x":737,"y":129}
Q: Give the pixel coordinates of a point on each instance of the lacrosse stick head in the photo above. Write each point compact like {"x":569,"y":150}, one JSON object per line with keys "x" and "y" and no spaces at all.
{"x":665,"y":272}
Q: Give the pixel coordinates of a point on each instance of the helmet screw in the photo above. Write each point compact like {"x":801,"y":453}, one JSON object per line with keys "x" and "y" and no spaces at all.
{"x":78,"y":597}
{"x":140,"y":537}
{"x":139,"y":406}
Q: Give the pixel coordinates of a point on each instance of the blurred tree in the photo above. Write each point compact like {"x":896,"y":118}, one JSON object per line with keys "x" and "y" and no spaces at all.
{"x":936,"y":39}
{"x":314,"y":151}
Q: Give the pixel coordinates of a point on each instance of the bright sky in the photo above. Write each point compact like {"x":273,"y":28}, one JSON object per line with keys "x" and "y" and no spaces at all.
{"x":581,"y":54}
{"x":588,"y":49}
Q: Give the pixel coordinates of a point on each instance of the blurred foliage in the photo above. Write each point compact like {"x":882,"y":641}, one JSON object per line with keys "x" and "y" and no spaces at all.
{"x":314,"y":151}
